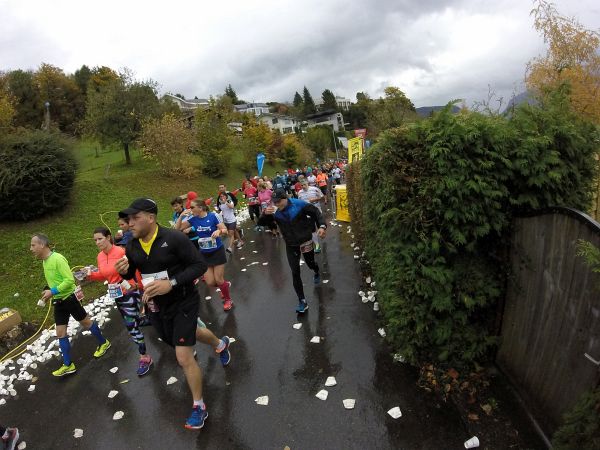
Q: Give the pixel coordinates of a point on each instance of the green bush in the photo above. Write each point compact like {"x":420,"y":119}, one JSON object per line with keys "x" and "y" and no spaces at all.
{"x":440,"y":197}
{"x":581,"y":425}
{"x":355,"y":206}
{"x":37,"y":172}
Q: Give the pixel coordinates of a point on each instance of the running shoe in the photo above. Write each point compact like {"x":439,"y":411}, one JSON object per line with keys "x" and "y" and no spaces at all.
{"x":229,"y":250}
{"x":196,"y":419}
{"x":239,"y":245}
{"x":144,"y":367}
{"x":225,"y":355}
{"x":317,"y":248}
{"x":65,"y":370}
{"x":317,"y":278}
{"x":227,"y":304}
{"x":101,"y":349}
{"x":10,"y":438}
{"x":302,"y":307}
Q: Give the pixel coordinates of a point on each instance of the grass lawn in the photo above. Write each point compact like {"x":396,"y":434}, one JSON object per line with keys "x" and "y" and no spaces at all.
{"x":104,"y":185}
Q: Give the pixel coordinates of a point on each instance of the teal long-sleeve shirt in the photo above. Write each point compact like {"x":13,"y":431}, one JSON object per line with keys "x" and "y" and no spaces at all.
{"x":59,"y":276}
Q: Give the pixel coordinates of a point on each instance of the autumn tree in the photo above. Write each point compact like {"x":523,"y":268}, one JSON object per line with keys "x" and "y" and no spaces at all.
{"x":117,"y":107}
{"x":572,"y":57}
{"x":393,"y":110}
{"x":329,"y":101}
{"x":29,"y":110}
{"x":66,"y":101}
{"x":320,"y":140}
{"x":7,"y":107}
{"x":256,"y":138}
{"x":168,"y":141}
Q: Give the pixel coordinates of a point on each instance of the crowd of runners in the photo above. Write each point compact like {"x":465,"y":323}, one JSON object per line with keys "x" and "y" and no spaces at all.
{"x":153,"y":271}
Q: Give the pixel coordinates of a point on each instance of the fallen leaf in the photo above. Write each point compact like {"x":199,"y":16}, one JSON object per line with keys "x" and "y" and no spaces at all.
{"x":452,"y":373}
{"x":487,"y":408}
{"x":473,"y":417}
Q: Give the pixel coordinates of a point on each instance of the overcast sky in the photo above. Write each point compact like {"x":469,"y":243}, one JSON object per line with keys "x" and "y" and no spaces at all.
{"x":434,"y":50}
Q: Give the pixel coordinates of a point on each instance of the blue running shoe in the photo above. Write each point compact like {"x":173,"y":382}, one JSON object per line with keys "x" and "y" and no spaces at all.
{"x":196,"y":419}
{"x":302,"y":307}
{"x":225,"y":355}
{"x":317,"y":278}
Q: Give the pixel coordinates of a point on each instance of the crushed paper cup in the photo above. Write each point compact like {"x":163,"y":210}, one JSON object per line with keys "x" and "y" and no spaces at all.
{"x":77,"y":433}
{"x":349,"y":403}
{"x":375,"y":306}
{"x":322,"y":394}
{"x":262,"y":400}
{"x":356,"y":256}
{"x":265,"y":264}
{"x":22,"y":445}
{"x":243,"y":270}
{"x":16,"y":294}
{"x":297,"y":326}
{"x":172,"y":380}
{"x":242,"y":258}
{"x":395,"y":412}
{"x":31,"y":388}
{"x":231,"y":340}
{"x":399,"y":358}
{"x":112,"y":394}
{"x":325,"y":281}
{"x":118,"y":415}
{"x":2,"y":402}
{"x":114,"y":370}
{"x":124,"y":381}
{"x":365,"y":299}
{"x":315,"y":340}
{"x":330,"y":381}
{"x":472,"y":443}
{"x":208,"y":297}
{"x":361,"y":293}
{"x":254,"y":251}
{"x":368,"y":280}
{"x":381,"y":332}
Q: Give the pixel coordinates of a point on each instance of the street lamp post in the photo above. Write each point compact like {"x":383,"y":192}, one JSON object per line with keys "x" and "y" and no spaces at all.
{"x":47,"y":114}
{"x":337,"y":156}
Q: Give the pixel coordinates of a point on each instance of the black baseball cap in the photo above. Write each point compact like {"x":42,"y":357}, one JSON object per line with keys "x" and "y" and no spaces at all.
{"x":140,"y":204}
{"x":278,"y":194}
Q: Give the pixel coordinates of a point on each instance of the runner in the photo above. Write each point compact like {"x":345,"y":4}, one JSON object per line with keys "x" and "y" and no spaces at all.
{"x":209,"y":228}
{"x":312,"y":194}
{"x":264,"y":197}
{"x":169,"y":264}
{"x":66,"y":299}
{"x":322,"y":183}
{"x":311,"y":178}
{"x":177,"y":206}
{"x":123,"y":292}
{"x":123,"y":235}
{"x":297,"y":220}
{"x":228,"y":211}
{"x":251,"y":195}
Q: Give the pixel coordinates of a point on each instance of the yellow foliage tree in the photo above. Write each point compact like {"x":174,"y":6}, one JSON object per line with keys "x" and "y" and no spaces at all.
{"x":573,"y":57}
{"x":7,"y":108}
{"x":169,"y":142}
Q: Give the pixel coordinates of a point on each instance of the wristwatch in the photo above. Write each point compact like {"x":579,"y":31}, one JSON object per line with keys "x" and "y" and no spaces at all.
{"x":173,"y":282}
{"x":323,"y":226}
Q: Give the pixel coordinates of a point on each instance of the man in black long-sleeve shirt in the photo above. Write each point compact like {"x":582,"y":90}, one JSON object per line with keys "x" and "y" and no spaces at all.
{"x":169,"y":264}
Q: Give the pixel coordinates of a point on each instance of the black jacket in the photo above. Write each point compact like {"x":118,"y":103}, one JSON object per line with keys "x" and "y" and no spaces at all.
{"x":172,"y":252}
{"x":297,"y":221}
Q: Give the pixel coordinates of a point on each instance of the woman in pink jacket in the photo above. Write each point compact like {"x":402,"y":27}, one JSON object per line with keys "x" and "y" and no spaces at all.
{"x":124,"y":292}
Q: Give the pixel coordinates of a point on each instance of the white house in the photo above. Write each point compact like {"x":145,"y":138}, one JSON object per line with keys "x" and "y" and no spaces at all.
{"x":342,"y":102}
{"x":328,"y":117}
{"x":284,"y":124}
{"x":252,"y":108}
{"x":187,"y":105}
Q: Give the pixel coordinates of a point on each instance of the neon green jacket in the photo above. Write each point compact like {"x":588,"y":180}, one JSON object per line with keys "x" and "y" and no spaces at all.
{"x":59,"y":276}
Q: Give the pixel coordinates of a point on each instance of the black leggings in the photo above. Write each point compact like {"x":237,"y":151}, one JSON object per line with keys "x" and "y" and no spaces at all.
{"x":293,"y":256}
{"x":254,"y":211}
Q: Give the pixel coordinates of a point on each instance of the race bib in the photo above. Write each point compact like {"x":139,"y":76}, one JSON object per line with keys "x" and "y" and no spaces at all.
{"x":78,"y":293}
{"x":207,"y":243}
{"x":115,"y":291}
{"x":306,"y":247}
{"x":163,"y":275}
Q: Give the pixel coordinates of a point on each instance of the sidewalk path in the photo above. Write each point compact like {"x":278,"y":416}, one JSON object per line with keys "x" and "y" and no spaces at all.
{"x":269,"y":357}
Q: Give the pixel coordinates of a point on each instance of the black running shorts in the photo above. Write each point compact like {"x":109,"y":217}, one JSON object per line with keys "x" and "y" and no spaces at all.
{"x":70,"y":306}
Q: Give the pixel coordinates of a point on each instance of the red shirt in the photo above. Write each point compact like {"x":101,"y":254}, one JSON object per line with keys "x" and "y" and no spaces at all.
{"x":106,"y":266}
{"x":297,"y":186}
{"x":252,"y":195}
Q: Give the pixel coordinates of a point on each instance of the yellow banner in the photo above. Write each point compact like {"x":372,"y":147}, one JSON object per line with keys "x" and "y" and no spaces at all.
{"x":355,"y":149}
{"x":341,"y":203}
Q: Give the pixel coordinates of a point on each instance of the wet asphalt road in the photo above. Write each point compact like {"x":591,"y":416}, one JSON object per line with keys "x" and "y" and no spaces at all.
{"x":269,"y":357}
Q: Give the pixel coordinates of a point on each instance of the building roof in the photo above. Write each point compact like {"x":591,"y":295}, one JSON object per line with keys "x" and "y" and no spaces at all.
{"x":317,"y":115}
{"x":278,"y":116}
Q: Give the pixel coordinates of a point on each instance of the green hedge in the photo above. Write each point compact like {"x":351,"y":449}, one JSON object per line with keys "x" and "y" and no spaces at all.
{"x":37,"y":172}
{"x":437,"y":201}
{"x":581,"y":425}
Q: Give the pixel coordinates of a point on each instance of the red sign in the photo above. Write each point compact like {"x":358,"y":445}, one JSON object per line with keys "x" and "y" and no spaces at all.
{"x":361,"y":132}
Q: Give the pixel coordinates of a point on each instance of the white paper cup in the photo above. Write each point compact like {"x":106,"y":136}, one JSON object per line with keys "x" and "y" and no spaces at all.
{"x":472,"y":443}
{"x":349,"y":403}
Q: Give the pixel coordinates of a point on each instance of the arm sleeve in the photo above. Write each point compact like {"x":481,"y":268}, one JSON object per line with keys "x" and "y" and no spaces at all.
{"x":191,"y":260}
{"x":96,"y":276}
{"x":68,"y":281}
{"x":315,"y":214}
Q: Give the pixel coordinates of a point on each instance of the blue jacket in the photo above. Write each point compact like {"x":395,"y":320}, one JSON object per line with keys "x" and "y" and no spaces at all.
{"x":297,"y":221}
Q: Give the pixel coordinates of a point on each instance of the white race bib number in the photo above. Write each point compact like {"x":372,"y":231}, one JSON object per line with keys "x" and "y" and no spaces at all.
{"x":78,"y":293}
{"x":115,"y":291}
{"x":207,"y":243}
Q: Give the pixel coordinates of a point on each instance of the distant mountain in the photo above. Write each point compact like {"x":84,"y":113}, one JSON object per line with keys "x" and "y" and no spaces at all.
{"x":523,"y":97}
{"x":427,"y":111}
